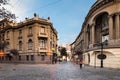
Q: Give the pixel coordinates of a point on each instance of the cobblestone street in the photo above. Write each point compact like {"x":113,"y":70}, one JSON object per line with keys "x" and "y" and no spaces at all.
{"x":62,"y":71}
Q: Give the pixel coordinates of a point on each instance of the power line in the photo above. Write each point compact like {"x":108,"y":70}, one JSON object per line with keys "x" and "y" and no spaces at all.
{"x":18,"y":3}
{"x":49,"y":4}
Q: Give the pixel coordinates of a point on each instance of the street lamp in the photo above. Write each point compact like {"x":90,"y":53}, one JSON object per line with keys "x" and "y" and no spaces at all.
{"x":101,"y":56}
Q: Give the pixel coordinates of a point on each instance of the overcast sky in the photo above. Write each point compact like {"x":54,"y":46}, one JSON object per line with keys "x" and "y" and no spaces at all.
{"x":67,"y":16}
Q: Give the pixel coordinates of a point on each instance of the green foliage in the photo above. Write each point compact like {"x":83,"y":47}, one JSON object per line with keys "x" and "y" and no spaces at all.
{"x":14,"y":52}
{"x":63,"y":51}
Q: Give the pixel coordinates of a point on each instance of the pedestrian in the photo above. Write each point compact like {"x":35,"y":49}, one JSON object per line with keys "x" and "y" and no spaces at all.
{"x":81,"y":62}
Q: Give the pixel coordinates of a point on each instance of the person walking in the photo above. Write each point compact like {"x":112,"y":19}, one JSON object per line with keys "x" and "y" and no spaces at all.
{"x":81,"y":62}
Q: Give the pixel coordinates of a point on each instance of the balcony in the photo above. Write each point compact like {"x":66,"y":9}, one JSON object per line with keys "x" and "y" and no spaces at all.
{"x":29,"y":35}
{"x":20,"y":37}
{"x":42,"y":35}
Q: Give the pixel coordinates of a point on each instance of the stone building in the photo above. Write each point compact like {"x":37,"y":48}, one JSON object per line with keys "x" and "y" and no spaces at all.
{"x":33,"y":38}
{"x":100,"y":35}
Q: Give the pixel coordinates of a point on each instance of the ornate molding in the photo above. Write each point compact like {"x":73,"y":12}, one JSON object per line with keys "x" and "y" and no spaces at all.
{"x":96,"y":6}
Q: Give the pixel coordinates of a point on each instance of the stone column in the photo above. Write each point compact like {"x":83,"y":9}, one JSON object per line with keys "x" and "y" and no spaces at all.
{"x":110,"y":27}
{"x":117,"y":26}
{"x":93,"y":33}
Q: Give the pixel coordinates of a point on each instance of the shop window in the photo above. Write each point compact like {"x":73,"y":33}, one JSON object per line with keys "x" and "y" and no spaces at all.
{"x":32,"y":57}
{"x":42,"y":57}
{"x":27,"y":57}
{"x":19,"y":58}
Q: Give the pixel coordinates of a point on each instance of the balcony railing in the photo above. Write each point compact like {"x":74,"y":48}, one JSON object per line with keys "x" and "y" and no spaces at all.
{"x":29,"y":35}
{"x":20,"y":37}
{"x":42,"y":35}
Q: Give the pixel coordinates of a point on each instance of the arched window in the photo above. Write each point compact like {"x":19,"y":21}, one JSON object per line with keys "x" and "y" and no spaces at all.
{"x":42,"y":43}
{"x":30,"y":44}
{"x":20,"y":45}
{"x":101,"y":27}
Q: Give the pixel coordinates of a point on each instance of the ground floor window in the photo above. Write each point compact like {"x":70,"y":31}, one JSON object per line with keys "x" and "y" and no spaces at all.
{"x":32,"y":57}
{"x":19,"y":58}
{"x":2,"y":57}
{"x":27,"y":57}
{"x":42,"y":57}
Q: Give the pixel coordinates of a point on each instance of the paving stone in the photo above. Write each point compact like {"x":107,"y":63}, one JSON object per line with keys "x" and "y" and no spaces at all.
{"x":62,"y":71}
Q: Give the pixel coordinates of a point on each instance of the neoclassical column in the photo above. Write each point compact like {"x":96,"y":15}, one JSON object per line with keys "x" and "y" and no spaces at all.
{"x":93,"y":32}
{"x":111,"y":27}
{"x":117,"y":25}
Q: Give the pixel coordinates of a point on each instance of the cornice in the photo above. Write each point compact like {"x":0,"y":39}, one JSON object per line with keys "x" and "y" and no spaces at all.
{"x":32,"y":21}
{"x":96,"y":6}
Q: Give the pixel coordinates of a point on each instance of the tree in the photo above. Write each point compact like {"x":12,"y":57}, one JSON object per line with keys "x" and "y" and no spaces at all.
{"x":63,"y":52}
{"x":14,"y":52}
{"x":4,"y":13}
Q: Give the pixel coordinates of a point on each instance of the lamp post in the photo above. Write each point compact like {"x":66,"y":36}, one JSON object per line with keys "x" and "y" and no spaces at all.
{"x":101,"y":56}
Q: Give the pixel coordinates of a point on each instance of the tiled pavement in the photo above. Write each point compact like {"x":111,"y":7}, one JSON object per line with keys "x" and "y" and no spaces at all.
{"x":62,"y":71}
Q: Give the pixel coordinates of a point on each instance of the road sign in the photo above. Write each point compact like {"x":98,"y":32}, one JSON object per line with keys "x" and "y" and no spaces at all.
{"x":101,"y":56}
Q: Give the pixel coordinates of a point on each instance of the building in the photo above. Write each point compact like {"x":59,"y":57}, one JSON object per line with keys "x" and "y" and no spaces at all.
{"x":99,"y":39}
{"x":35,"y":39}
{"x":68,"y":50}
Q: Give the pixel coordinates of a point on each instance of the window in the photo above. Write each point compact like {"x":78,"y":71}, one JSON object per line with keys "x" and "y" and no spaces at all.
{"x":32,"y":57}
{"x":30,"y":30}
{"x":19,"y":58}
{"x":42,"y":44}
{"x":2,"y":37}
{"x":105,"y":37}
{"x":30,"y":44}
{"x":8,"y":45}
{"x":7,"y":34}
{"x":105,"y":21}
{"x":27,"y":57}
{"x":2,"y":57}
{"x":42,"y":29}
{"x":20,"y":32}
{"x":20,"y":45}
{"x":42,"y":57}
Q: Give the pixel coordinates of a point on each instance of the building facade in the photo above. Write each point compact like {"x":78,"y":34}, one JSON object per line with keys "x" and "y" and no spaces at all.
{"x":35,"y":39}
{"x":100,"y":34}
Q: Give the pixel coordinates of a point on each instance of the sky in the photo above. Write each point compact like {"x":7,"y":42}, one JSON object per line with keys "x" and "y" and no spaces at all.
{"x":67,"y":16}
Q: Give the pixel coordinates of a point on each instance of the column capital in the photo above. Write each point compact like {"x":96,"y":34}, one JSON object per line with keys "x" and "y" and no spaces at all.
{"x":117,"y":14}
{"x":111,"y":15}
{"x":93,"y":24}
